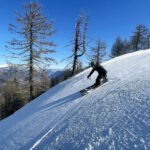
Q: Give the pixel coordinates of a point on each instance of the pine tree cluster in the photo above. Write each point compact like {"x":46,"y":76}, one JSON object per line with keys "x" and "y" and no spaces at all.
{"x":140,"y":39}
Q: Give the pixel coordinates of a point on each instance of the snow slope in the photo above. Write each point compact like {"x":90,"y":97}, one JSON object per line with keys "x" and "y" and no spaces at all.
{"x":115,"y":116}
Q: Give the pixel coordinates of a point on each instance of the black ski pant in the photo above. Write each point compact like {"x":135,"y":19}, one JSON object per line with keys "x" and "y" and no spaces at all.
{"x":98,"y":79}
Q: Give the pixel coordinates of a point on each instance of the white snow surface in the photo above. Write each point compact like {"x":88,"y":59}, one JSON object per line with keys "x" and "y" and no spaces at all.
{"x":115,"y":116}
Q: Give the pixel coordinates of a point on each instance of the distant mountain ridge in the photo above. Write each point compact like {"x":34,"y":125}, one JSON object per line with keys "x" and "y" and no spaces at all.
{"x":9,"y":73}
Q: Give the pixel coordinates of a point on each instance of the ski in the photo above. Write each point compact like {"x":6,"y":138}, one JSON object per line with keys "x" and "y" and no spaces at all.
{"x":90,"y":88}
{"x":86,"y":91}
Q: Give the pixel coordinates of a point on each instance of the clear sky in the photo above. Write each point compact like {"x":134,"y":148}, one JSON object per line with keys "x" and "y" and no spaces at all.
{"x":107,"y":20}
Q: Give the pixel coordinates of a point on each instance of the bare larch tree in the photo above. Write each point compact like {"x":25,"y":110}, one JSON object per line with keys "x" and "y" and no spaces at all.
{"x":33,"y":46}
{"x":79,"y":41}
{"x":98,"y":51}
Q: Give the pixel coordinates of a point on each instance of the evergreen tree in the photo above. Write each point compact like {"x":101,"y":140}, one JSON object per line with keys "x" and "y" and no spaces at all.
{"x":79,"y":66}
{"x":117,"y":48}
{"x":2,"y":108}
{"x":126,"y":46}
{"x":147,"y":41}
{"x":52,"y":82}
{"x":42,"y":84}
{"x":33,"y":47}
{"x":12,"y":96}
{"x":66,"y":74}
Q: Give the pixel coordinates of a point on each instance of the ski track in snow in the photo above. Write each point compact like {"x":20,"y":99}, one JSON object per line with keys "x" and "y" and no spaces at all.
{"x":114,"y":117}
{"x":38,"y":142}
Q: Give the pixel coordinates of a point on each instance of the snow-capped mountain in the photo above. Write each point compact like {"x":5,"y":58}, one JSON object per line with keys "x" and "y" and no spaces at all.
{"x":4,"y":66}
{"x":8,"y":73}
{"x":115,"y":116}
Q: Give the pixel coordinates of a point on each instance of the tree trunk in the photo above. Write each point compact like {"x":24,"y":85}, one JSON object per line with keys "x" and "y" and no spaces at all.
{"x":75,"y":52}
{"x":74,"y":64}
{"x":31,"y":80}
{"x":31,"y":73}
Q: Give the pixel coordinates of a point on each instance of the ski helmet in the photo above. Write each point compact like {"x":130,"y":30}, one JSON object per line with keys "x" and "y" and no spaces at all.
{"x":92,"y":64}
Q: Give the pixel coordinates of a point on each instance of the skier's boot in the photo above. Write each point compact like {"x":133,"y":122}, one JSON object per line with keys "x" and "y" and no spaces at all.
{"x":96,"y":85}
{"x":104,"y":80}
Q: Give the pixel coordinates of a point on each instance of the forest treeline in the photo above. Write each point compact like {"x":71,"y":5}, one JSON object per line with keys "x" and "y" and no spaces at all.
{"x":34,"y":48}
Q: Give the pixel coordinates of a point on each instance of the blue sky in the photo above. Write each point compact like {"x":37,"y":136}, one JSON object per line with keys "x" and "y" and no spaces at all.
{"x":107,"y":20}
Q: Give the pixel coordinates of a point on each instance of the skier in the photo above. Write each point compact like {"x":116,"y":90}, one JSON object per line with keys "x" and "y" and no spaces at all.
{"x":102,"y":74}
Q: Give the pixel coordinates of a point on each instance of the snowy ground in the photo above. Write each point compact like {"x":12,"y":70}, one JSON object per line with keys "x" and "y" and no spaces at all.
{"x":115,"y":116}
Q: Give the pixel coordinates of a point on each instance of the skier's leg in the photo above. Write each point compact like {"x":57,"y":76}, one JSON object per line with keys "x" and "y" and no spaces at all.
{"x":97,"y":82}
{"x":105,"y":78}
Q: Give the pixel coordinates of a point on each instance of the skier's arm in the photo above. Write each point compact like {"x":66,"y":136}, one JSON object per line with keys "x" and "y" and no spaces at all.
{"x":91,"y":73}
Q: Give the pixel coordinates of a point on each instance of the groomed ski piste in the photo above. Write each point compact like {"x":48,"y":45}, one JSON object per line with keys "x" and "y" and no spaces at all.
{"x":113,"y":117}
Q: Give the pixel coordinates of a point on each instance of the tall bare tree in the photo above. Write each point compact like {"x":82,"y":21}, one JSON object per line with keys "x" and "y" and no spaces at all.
{"x":79,"y":41}
{"x":33,"y":47}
